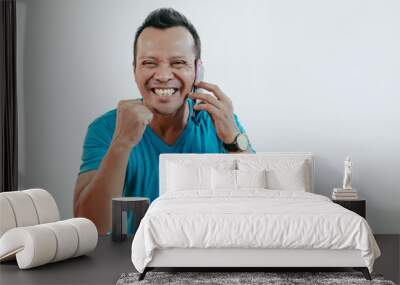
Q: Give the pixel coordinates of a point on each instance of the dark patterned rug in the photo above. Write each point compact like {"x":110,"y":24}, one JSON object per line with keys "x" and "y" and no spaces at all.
{"x":229,"y":278}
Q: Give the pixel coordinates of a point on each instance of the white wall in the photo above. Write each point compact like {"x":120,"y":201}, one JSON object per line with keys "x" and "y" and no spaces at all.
{"x":320,"y":76}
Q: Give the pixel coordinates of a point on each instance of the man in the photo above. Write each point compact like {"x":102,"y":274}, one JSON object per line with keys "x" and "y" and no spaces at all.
{"x":122,"y":147}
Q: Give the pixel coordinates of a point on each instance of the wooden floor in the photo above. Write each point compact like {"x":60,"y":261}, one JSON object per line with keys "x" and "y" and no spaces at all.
{"x":388,"y":263}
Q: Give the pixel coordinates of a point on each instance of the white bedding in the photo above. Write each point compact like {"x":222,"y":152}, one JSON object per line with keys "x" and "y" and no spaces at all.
{"x":250,"y":218}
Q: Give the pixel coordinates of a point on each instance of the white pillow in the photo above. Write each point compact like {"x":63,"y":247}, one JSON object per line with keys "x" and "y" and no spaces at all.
{"x":282,"y":174}
{"x":229,"y":179}
{"x":289,"y":179}
{"x":181,"y":177}
{"x":223,"y":179}
{"x":251,"y":178}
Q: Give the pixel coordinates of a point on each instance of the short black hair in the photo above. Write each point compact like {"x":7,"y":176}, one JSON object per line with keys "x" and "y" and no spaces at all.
{"x":165,"y":18}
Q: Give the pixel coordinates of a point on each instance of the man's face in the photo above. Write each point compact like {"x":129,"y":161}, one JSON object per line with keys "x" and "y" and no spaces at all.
{"x":165,"y":69}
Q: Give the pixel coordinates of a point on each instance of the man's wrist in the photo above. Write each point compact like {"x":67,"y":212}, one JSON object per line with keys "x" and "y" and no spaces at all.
{"x":231,"y":138}
{"x":121,"y":145}
{"x":239,"y":144}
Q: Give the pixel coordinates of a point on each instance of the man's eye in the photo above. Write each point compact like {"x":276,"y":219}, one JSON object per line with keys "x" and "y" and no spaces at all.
{"x":178,"y":63}
{"x":148,"y":63}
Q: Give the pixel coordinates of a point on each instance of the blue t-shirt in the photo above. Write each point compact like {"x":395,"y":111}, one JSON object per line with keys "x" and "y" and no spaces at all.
{"x":142,"y":172}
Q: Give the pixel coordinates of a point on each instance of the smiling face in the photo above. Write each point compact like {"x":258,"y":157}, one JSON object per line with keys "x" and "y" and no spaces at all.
{"x":165,"y":71}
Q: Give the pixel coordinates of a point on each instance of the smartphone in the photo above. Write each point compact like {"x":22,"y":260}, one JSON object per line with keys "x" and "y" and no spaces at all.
{"x":199,"y":72}
{"x":199,"y":76}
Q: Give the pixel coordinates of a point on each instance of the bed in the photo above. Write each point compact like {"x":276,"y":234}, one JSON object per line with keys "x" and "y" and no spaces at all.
{"x":247,"y":211}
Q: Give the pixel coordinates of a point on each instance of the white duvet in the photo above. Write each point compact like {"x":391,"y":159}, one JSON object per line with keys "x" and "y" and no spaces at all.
{"x":251,"y":218}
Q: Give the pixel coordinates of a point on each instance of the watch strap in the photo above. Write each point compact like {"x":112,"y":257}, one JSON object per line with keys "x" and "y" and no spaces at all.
{"x":232,"y":146}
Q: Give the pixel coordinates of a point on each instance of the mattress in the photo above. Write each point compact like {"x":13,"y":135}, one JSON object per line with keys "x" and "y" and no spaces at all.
{"x":251,"y":219}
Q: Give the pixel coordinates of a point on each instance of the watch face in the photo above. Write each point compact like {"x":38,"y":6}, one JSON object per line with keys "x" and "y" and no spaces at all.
{"x":242,"y":142}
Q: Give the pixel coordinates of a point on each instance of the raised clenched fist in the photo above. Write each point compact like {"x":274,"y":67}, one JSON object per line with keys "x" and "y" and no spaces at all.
{"x":132,"y":118}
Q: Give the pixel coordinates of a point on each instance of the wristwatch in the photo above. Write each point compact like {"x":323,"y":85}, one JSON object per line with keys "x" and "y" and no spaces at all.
{"x":240,"y":143}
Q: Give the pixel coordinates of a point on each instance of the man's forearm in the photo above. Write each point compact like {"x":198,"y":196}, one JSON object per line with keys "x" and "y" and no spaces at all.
{"x":94,"y":201}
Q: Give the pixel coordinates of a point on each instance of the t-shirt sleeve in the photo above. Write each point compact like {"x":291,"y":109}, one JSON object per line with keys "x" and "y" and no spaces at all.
{"x":242,"y":130}
{"x":95,"y":145}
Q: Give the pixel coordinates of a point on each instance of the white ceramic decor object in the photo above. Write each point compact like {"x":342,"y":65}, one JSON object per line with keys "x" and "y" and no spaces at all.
{"x":347,"y":174}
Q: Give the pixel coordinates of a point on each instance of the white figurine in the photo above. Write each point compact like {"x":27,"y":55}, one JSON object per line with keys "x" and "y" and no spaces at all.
{"x":347,"y":174}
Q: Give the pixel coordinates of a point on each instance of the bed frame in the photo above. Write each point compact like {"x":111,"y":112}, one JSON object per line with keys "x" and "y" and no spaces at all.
{"x":249,"y":259}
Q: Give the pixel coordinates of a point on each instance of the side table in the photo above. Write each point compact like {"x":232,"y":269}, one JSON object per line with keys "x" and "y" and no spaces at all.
{"x":358,"y":206}
{"x":120,"y":207}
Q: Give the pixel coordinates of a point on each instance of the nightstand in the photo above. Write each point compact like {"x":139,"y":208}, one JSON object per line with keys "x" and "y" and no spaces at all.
{"x":358,"y":206}
{"x":120,"y":206}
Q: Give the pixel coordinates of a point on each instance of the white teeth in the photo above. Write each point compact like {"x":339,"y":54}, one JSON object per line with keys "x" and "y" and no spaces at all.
{"x":164,"y":92}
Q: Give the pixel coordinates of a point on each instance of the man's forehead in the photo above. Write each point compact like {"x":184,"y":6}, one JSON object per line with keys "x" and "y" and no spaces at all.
{"x":150,"y":55}
{"x":176,"y":41}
